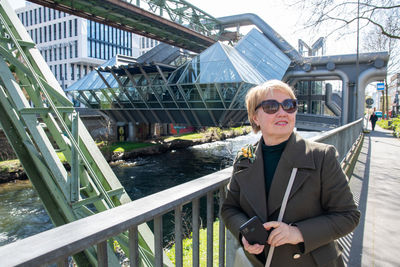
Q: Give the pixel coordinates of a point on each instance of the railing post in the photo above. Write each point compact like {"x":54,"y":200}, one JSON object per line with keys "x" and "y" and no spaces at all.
{"x":221,"y":231}
{"x":102,"y":260}
{"x":195,"y":234}
{"x":178,"y":237}
{"x":133,"y":247}
{"x":210,"y":220}
{"x":158,"y":250}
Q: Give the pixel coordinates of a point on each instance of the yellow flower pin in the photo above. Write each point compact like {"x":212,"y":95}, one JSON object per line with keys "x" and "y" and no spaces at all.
{"x":247,"y":152}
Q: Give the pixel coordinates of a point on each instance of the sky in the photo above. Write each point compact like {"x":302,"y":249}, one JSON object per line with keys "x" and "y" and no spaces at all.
{"x":283,"y":18}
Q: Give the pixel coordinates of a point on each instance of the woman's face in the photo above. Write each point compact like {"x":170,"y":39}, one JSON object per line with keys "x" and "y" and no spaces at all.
{"x":276,"y":127}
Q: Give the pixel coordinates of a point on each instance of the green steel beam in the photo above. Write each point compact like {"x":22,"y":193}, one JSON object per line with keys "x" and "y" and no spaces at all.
{"x":177,"y":23}
{"x":38,"y":121}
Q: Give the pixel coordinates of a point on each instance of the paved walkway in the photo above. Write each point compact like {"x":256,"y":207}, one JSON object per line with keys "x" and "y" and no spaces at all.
{"x":376,"y":187}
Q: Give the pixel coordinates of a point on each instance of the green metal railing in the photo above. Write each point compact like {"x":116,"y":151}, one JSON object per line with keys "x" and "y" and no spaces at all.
{"x":40,"y":123}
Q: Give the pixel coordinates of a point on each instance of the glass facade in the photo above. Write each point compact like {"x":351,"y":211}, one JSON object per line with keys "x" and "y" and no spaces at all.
{"x":209,"y":89}
{"x":104,"y":41}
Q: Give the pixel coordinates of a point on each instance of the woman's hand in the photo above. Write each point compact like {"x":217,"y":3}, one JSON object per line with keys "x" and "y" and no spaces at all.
{"x":283,"y":233}
{"x":253,"y":249}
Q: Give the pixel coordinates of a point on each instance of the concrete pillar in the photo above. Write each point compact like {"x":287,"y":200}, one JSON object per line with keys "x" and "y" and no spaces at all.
{"x":131,"y":132}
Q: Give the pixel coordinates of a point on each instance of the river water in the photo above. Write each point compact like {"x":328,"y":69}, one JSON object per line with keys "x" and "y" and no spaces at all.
{"x":22,"y":213}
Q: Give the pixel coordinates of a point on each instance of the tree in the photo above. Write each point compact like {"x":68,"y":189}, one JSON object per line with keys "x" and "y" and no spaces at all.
{"x":342,"y":15}
{"x":374,"y":40}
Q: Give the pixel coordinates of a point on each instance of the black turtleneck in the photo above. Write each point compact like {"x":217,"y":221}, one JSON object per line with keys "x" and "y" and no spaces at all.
{"x":271,"y":156}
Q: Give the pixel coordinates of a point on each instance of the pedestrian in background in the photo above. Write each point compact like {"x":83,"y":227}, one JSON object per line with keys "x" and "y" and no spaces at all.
{"x":373,"y":120}
{"x":320,"y":207}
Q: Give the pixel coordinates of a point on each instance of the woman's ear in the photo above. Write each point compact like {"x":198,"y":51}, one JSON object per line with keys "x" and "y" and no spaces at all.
{"x":255,"y":119}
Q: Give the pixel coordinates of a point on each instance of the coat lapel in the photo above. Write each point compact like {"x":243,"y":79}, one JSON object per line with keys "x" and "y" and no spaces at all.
{"x":295,"y":155}
{"x":252,"y":182}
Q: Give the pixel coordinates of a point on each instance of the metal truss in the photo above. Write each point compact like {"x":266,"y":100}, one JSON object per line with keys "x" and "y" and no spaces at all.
{"x":42,"y":125}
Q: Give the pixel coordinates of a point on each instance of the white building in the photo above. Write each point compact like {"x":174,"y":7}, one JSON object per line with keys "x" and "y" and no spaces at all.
{"x":73,"y":46}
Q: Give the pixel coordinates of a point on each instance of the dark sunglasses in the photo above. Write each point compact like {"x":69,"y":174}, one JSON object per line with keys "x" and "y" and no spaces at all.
{"x":271,"y":106}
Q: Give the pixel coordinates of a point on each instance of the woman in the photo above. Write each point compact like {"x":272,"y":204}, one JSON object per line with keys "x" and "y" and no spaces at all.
{"x":320,"y":208}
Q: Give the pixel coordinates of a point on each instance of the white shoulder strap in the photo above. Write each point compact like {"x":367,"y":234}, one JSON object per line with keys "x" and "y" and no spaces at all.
{"x":282,"y":211}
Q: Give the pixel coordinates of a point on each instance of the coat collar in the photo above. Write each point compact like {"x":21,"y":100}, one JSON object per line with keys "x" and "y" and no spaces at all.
{"x":252,"y":181}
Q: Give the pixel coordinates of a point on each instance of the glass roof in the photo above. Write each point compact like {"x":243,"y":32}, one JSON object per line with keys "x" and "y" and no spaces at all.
{"x":219,"y":63}
{"x":268,"y":59}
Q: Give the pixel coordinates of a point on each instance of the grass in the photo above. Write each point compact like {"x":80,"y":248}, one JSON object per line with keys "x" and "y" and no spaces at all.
{"x":186,"y":136}
{"x":8,"y":165}
{"x":126,"y":146}
{"x":188,"y":248}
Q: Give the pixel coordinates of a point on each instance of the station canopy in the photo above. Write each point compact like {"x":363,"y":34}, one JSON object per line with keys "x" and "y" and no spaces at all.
{"x":208,"y":89}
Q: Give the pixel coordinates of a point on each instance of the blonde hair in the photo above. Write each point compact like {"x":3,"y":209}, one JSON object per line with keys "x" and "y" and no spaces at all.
{"x":257,"y":94}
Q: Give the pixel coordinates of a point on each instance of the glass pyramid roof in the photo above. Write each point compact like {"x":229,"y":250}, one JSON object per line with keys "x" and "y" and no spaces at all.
{"x":266,"y":57}
{"x":217,"y":64}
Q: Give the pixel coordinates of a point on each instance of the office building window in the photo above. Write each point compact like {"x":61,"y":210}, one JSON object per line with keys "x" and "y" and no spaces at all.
{"x":45,"y":33}
{"x":50,"y":56}
{"x":49,"y":28}
{"x":59,"y":31}
{"x":65,"y":29}
{"x":97,"y":32}
{"x":70,"y":28}
{"x":55,"y":31}
{"x":72,"y":72}
{"x":35,"y":16}
{"x":45,"y":55}
{"x":93,"y":49}
{"x":78,"y":71}
{"x":101,"y":51}
{"x":70,"y":50}
{"x":54,"y":14}
{"x":40,"y":14}
{"x":55,"y":71}
{"x":51,"y":68}
{"x":36,"y":36}
{"x":22,"y":18}
{"x":89,"y":48}
{"x":76,"y":26}
{"x":65,"y":53}
{"x":106,"y":37}
{"x":59,"y":14}
{"x":85,"y":70}
{"x":60,"y":53}
{"x":44,"y":14}
{"x":61,"y":72}
{"x":101,"y":37}
{"x":147,"y":42}
{"x":65,"y":72}
{"x":30,"y":17}
{"x":49,"y":13}
{"x":55,"y":53}
{"x":40,"y":35}
{"x":76,"y":48}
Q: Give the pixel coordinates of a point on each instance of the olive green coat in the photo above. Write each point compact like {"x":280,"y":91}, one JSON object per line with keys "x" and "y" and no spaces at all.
{"x":320,"y":202}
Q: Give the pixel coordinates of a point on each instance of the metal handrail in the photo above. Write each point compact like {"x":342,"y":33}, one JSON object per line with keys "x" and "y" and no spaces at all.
{"x":57,"y":244}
